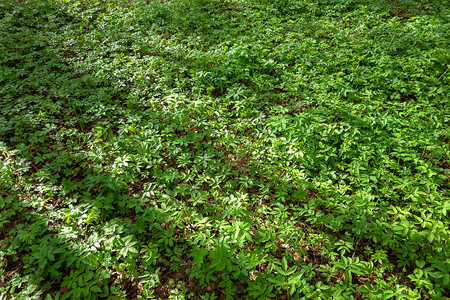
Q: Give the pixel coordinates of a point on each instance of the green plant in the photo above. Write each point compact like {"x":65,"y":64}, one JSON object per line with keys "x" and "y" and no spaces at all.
{"x":247,"y":149}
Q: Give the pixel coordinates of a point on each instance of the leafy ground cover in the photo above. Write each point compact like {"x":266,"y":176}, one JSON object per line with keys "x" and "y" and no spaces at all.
{"x":224,"y":149}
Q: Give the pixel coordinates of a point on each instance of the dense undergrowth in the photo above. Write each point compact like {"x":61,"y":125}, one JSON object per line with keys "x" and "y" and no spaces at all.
{"x":224,"y":149}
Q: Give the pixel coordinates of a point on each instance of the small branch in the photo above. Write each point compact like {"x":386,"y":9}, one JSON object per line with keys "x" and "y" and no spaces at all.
{"x":356,"y":248}
{"x":443,"y":74}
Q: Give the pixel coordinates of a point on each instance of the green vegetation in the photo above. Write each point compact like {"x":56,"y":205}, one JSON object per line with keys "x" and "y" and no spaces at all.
{"x":214,"y":149}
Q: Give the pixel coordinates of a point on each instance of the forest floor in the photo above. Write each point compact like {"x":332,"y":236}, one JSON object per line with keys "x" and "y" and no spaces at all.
{"x":214,"y":149}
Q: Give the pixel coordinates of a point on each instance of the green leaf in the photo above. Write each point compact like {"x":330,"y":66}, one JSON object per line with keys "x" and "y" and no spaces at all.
{"x":446,"y":279}
{"x":96,"y":289}
{"x":284,"y":264}
{"x":420,"y":263}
